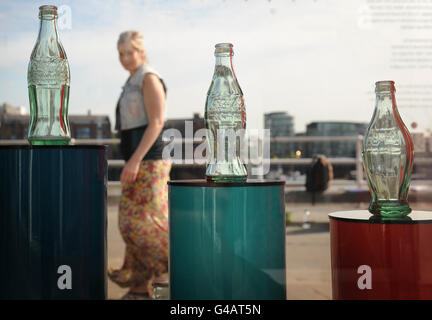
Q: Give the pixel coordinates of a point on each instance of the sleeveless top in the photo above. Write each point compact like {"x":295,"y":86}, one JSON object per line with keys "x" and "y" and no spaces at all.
{"x":131,"y":116}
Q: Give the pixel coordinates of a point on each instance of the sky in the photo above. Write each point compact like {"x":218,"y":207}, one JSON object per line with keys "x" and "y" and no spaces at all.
{"x":318,"y":60}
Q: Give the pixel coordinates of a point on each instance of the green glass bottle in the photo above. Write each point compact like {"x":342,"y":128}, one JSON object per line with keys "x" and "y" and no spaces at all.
{"x":48,"y":84}
{"x":388,"y":156}
{"x":225,"y":121}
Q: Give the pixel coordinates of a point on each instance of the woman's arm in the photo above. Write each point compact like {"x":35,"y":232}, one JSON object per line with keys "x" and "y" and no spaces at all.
{"x":154,"y":102}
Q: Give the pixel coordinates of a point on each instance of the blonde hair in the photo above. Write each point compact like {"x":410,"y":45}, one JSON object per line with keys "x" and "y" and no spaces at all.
{"x":135,"y":38}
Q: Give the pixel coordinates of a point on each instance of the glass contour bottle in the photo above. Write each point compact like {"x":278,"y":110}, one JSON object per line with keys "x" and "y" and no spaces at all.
{"x":388,"y":155}
{"x":225,"y":121}
{"x":48,"y":84}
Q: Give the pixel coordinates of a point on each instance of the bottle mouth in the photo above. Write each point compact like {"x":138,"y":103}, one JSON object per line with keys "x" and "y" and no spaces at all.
{"x":385,"y":86}
{"x":224,"y":49}
{"x":47,"y":12}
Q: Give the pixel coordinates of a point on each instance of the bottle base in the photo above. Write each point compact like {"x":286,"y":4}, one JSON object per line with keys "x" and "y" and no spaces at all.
{"x":389,"y":208}
{"x":226,"y":178}
{"x":48,"y":142}
{"x":234,"y":171}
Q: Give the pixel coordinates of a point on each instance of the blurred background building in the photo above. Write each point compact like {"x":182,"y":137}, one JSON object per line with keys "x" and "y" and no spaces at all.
{"x":187,"y":171}
{"x":333,"y":129}
{"x":281,"y":124}
{"x":14,"y":124}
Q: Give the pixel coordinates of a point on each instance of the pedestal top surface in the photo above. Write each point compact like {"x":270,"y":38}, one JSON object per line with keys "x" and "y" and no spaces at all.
{"x":211,"y":184}
{"x":74,"y":146}
{"x":365,"y":216}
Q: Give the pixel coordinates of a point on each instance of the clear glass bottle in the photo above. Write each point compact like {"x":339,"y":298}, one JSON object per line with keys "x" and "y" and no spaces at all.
{"x":388,"y":155}
{"x":48,"y":84}
{"x":225,"y":121}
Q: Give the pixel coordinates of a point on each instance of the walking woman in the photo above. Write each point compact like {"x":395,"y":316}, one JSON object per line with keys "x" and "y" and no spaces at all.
{"x":143,"y":208}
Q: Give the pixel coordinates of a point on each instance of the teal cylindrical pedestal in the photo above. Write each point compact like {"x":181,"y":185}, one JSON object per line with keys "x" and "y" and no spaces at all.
{"x":227,"y":241}
{"x":53,"y":205}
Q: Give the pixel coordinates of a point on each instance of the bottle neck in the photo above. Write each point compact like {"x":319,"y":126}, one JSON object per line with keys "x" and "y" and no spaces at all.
{"x":224,"y":67}
{"x":224,"y":60}
{"x":48,"y":28}
{"x":385,"y":101}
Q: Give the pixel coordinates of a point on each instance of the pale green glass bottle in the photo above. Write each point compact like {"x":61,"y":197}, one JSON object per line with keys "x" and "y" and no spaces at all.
{"x":388,"y":155}
{"x":225,"y":121}
{"x":48,"y":84}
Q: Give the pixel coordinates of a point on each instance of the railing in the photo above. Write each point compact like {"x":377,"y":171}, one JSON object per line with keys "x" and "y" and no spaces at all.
{"x":357,"y":161}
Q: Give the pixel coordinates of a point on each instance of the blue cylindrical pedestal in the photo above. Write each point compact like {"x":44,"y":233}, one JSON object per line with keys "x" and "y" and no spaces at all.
{"x":227,"y":241}
{"x":53,"y":222}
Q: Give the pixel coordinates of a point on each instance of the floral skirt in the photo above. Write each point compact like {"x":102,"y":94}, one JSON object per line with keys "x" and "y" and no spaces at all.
{"x":143,"y":223}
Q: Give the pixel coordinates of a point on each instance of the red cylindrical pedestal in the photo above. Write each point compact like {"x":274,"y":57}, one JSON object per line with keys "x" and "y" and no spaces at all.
{"x":378,"y":258}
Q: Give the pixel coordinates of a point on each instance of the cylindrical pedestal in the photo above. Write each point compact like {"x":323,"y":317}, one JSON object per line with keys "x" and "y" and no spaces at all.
{"x":53,"y":222}
{"x":381,"y":258}
{"x":227,"y":241}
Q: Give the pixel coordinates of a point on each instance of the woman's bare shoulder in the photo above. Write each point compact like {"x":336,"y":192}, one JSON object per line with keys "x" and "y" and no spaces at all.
{"x":151,"y":81}
{"x":151,"y":77}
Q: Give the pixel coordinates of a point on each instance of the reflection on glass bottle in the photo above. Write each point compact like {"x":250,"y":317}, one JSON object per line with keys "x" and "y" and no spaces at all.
{"x":225,"y":120}
{"x":48,"y":84}
{"x":388,"y":155}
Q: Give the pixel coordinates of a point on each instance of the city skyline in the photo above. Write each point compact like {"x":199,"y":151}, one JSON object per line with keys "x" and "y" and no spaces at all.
{"x":314,"y":60}
{"x":21,"y":111}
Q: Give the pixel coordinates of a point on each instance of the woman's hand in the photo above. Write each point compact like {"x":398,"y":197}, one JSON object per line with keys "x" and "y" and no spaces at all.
{"x":130,"y":171}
